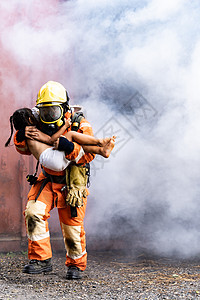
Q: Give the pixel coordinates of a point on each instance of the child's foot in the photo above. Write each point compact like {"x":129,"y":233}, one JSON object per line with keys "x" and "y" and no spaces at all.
{"x":105,"y":141}
{"x":106,"y":150}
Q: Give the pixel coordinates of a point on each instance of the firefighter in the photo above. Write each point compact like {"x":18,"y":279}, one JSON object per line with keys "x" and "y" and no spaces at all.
{"x":46,"y":193}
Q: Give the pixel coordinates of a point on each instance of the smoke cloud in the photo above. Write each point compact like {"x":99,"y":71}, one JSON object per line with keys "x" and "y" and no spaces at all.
{"x":135,"y":67}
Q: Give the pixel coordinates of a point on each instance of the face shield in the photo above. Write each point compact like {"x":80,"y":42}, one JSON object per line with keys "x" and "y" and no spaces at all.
{"x":51,"y":113}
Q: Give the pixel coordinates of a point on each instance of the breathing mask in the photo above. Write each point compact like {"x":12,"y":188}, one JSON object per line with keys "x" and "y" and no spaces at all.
{"x":51,"y":113}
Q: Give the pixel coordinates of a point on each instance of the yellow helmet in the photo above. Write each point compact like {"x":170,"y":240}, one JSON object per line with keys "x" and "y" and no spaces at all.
{"x":52,"y":102}
{"x":51,"y":91}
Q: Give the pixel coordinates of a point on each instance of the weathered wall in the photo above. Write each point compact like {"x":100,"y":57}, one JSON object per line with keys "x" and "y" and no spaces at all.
{"x":19,"y":84}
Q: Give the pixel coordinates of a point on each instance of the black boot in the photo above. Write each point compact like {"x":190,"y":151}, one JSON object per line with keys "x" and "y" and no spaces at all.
{"x":73,"y":272}
{"x":38,"y":266}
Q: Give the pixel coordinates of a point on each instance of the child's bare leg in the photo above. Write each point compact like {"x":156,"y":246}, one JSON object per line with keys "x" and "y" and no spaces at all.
{"x":84,"y":139}
{"x":92,"y":149}
{"x":69,"y":135}
{"x":103,"y":151}
{"x":80,"y":138}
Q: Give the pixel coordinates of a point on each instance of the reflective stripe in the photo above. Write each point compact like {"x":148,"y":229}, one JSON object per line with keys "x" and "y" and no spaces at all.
{"x":84,"y":124}
{"x":38,"y":237}
{"x":22,"y":149}
{"x":81,"y":153}
{"x":76,"y":257}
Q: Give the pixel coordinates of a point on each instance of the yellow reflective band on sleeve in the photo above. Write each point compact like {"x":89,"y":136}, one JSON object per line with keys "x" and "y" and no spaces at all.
{"x":22,"y":149}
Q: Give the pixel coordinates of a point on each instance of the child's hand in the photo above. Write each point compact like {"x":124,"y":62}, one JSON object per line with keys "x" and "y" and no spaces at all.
{"x":68,"y":122}
{"x":55,"y":144}
{"x":31,"y":132}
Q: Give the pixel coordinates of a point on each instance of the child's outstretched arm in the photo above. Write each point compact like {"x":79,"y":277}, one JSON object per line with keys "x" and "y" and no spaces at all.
{"x":56,"y":135}
{"x":84,"y":139}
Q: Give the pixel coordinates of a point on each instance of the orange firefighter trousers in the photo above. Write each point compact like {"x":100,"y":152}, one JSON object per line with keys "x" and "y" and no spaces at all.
{"x":36,"y":215}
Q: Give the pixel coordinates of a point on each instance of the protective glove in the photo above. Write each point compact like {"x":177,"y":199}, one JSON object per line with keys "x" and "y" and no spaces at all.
{"x":76,"y":180}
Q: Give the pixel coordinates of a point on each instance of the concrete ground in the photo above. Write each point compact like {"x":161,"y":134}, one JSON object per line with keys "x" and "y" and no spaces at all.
{"x":108,"y":276}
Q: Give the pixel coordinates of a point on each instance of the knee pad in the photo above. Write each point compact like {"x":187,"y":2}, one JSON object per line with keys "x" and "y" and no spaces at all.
{"x":72,"y":240}
{"x":34,"y":216}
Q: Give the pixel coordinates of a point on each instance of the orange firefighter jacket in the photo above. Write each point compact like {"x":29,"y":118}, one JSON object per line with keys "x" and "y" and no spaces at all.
{"x":84,"y":128}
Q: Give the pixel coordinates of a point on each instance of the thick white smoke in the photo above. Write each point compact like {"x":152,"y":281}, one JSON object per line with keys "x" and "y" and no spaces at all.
{"x":147,"y":193}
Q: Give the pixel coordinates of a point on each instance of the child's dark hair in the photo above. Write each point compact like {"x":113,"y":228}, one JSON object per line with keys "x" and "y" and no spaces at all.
{"x":20,"y":119}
